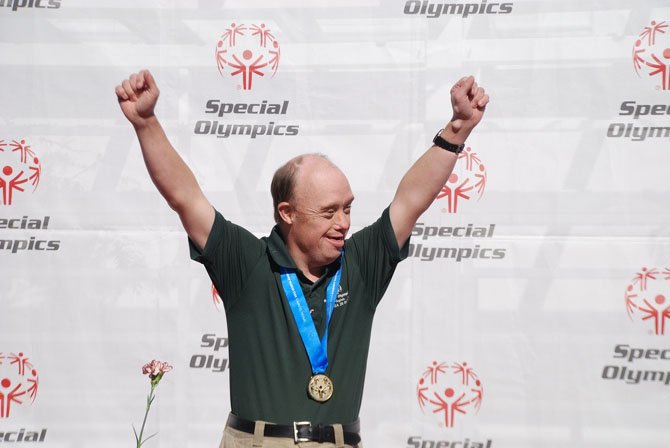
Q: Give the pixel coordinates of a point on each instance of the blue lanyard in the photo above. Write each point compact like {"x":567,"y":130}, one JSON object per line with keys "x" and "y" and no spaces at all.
{"x":317,"y":351}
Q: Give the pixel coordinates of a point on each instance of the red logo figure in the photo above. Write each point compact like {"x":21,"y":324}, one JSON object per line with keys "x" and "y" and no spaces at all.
{"x":651,"y":58}
{"x":18,"y":165}
{"x":468,"y":179}
{"x":216,"y":298}
{"x":647,"y":298}
{"x":249,"y":52}
{"x":447,"y":389}
{"x":18,"y":382}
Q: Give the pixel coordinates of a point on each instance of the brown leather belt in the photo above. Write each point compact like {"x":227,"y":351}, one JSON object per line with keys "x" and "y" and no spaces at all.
{"x":300,"y":431}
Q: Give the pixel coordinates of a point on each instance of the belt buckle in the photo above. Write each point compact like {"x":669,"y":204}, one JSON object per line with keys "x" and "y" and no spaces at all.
{"x":297,"y":439}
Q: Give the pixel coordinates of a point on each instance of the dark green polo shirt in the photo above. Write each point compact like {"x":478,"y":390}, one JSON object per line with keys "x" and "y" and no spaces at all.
{"x":269,"y":367}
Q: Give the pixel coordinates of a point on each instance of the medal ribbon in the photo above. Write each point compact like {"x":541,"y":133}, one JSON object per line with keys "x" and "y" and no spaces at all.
{"x":317,"y":350}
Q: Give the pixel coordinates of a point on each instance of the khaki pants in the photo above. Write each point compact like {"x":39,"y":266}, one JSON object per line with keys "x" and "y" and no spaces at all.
{"x":232,"y":438}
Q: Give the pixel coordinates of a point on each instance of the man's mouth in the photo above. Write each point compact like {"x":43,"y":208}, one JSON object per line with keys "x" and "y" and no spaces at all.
{"x":337,"y":241}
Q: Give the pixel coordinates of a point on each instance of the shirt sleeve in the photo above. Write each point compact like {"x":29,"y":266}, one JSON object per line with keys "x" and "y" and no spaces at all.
{"x":229,"y":254}
{"x":377,"y":254}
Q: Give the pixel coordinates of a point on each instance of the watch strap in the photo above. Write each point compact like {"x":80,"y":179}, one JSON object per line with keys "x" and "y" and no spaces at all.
{"x":442,"y":143}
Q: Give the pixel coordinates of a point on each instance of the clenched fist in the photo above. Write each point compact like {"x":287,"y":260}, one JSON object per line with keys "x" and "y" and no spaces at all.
{"x":137,"y":97}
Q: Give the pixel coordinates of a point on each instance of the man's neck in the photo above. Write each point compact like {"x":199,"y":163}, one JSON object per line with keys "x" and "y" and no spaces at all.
{"x":313,"y":273}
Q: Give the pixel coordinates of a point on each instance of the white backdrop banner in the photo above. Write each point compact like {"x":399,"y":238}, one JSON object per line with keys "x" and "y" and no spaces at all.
{"x":534,"y":309}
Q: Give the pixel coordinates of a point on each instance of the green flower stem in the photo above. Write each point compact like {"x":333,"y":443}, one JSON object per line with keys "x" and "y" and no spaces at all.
{"x":150,"y":399}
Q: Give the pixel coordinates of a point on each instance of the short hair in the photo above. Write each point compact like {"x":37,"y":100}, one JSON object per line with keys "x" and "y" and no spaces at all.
{"x":283,"y":181}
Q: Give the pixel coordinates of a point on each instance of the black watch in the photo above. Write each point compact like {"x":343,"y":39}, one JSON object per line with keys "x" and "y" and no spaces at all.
{"x":442,"y":143}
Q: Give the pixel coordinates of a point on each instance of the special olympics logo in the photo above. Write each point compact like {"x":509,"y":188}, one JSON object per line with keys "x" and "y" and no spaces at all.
{"x":247,"y":51}
{"x":446,"y":389}
{"x":18,"y":165}
{"x":467,"y":180}
{"x":647,"y":298}
{"x":216,"y":298}
{"x":651,"y":58}
{"x":18,"y":382}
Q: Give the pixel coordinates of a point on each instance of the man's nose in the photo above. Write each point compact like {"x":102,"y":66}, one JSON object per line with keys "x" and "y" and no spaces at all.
{"x":342,"y":220}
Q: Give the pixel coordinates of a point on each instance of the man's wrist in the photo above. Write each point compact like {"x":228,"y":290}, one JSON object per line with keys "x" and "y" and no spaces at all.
{"x":145,"y":123}
{"x":456,"y":134}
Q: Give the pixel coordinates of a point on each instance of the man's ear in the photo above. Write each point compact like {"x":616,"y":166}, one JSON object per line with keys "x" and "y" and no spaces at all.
{"x":285,"y":212}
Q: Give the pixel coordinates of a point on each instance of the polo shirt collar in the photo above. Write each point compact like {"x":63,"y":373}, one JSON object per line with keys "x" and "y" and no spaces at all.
{"x":278,"y":250}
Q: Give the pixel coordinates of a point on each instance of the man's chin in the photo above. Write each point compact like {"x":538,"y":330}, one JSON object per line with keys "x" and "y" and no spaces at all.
{"x":332,"y":256}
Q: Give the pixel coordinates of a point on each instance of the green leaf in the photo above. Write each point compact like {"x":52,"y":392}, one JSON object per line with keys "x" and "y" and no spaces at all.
{"x":154,"y":434}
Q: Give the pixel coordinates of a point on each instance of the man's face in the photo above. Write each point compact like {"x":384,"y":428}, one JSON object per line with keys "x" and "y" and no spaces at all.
{"x":321,"y":205}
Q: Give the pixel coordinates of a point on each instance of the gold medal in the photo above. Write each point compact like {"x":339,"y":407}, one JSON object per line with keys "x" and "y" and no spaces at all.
{"x":320,"y":388}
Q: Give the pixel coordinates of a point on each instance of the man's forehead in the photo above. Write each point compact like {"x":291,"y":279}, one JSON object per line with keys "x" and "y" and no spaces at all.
{"x":317,"y":171}
{"x":323,"y":187}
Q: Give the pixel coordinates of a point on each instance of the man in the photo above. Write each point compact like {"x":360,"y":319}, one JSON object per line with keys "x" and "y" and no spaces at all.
{"x":299,"y":303}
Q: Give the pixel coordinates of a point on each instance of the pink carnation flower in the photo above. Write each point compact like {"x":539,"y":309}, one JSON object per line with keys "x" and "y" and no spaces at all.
{"x":155,"y":368}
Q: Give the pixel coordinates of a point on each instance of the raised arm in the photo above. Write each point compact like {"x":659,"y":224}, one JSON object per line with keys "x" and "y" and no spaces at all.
{"x":424,"y":180}
{"x":174,"y":180}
